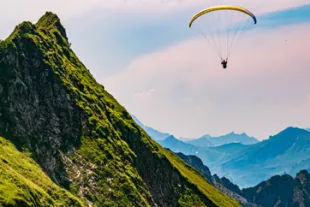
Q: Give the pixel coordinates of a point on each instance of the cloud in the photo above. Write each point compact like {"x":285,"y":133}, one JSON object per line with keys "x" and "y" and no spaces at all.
{"x":145,"y":94}
{"x":70,"y":8}
{"x":267,"y":76}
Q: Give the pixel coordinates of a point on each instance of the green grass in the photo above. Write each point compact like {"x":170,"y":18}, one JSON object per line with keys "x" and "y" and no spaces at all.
{"x":23,"y":183}
{"x":195,"y":178}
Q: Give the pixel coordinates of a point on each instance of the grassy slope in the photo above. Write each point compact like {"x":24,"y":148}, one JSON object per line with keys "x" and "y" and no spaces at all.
{"x":195,"y":178}
{"x":23,"y":183}
{"x":107,"y":132}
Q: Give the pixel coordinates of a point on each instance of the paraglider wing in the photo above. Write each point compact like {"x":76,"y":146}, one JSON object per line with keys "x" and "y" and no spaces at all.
{"x":221,"y":26}
{"x":222,"y":7}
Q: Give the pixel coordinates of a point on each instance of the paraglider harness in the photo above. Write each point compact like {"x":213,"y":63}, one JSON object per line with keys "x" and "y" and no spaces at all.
{"x":224,"y":63}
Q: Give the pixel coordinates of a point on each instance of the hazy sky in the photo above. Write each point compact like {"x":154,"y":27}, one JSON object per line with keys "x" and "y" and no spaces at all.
{"x":143,"y":52}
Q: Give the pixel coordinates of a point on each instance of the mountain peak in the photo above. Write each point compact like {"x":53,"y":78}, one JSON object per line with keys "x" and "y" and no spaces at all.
{"x":303,"y":176}
{"x":171,"y":137}
{"x":236,"y":134}
{"x":48,"y":19}
{"x":25,"y":27}
{"x":48,"y":28}
{"x":22,"y":28}
{"x":289,"y":131}
{"x":206,"y":136}
{"x":292,"y":128}
{"x":51,"y":21}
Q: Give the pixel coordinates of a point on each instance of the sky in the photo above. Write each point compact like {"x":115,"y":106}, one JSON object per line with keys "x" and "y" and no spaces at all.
{"x":167,"y":75}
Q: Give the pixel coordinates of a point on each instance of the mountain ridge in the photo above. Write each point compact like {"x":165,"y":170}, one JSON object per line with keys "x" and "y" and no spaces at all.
{"x":232,"y":137}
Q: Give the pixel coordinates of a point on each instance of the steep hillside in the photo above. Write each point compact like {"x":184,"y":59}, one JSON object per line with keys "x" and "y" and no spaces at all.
{"x":82,"y":138}
{"x":196,"y":163}
{"x":23,"y":183}
{"x":223,"y":184}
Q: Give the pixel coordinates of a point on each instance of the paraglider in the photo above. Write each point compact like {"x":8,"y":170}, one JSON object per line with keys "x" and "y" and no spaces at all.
{"x":224,"y":63}
{"x":221,"y":26}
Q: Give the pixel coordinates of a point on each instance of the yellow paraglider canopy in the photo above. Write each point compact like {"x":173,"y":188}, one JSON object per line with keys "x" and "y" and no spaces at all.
{"x":222,"y":7}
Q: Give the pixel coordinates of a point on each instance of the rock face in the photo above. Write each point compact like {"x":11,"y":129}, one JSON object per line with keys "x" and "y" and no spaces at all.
{"x":37,"y":111}
{"x":23,"y":183}
{"x":83,"y":139}
{"x":196,"y":163}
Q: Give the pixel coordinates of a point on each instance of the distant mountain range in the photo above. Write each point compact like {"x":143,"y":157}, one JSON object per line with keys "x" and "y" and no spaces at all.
{"x":277,"y":191}
{"x":208,"y":141}
{"x":282,"y":153}
{"x":204,"y":141}
{"x":247,"y":165}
